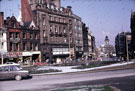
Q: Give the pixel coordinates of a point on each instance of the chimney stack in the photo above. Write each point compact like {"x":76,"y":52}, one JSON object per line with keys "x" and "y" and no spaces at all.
{"x":1,"y":19}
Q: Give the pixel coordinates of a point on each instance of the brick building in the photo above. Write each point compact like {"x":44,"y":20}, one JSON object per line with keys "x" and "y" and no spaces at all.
{"x":23,"y":41}
{"x":60,"y":29}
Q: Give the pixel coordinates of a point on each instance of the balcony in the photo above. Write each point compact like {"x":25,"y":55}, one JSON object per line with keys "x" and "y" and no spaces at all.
{"x":15,"y":40}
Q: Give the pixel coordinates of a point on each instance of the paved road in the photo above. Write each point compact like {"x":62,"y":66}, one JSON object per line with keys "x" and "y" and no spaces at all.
{"x":52,"y":81}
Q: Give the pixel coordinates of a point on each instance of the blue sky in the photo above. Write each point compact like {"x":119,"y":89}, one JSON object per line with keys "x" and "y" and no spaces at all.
{"x":104,"y":17}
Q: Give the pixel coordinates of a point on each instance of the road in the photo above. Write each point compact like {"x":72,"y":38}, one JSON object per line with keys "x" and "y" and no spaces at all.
{"x":46,"y":82}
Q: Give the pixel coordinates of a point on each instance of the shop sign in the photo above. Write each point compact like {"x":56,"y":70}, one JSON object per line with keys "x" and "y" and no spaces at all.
{"x":14,"y":30}
{"x":14,"y":54}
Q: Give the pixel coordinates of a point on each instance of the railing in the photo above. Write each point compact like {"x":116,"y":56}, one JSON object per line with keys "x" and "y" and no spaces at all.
{"x":15,"y":40}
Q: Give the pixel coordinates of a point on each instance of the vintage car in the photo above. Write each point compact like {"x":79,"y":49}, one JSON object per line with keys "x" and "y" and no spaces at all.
{"x":11,"y":71}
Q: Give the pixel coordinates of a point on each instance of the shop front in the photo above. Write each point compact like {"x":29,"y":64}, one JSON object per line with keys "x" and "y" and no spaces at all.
{"x":24,"y":58}
{"x":60,"y":54}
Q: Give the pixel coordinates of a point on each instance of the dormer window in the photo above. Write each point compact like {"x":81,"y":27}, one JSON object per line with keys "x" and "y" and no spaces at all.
{"x":13,"y":24}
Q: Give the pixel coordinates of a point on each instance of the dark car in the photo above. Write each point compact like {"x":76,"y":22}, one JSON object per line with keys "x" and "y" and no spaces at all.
{"x":10,"y":71}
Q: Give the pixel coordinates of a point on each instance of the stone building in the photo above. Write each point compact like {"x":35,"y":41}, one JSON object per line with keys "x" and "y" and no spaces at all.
{"x":107,"y":50}
{"x":123,"y":45}
{"x":60,"y":29}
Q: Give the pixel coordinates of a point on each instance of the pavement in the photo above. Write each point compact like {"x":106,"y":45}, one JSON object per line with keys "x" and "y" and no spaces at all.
{"x":69,"y":69}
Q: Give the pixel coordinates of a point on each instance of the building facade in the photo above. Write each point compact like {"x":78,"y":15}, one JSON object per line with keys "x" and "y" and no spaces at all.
{"x":132,"y":26}
{"x":60,"y":29}
{"x":123,"y":45}
{"x":3,"y":40}
{"x":107,"y":50}
{"x":89,"y":47}
{"x":23,"y":42}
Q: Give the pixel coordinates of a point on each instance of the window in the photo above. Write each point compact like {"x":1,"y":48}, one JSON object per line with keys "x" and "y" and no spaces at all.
{"x":65,"y":40}
{"x":31,"y":46}
{"x":64,"y":21}
{"x":14,"y":68}
{"x":51,"y":18}
{"x":17,"y":47}
{"x":6,"y":68}
{"x":11,"y":35}
{"x":60,"y":30}
{"x":36,"y":36}
{"x":36,"y":46}
{"x":24,"y":35}
{"x":31,"y":36}
{"x":51,"y":28}
{"x":17,"y":35}
{"x":2,"y":44}
{"x":1,"y":34}
{"x":24,"y":46}
{"x":43,"y":20}
{"x":44,"y":33}
{"x":13,"y":24}
{"x":56,"y":30}
{"x":70,"y":22}
{"x":0,"y":68}
{"x":11,"y":46}
{"x":64,"y":29}
{"x":37,"y":1}
{"x":55,"y":19}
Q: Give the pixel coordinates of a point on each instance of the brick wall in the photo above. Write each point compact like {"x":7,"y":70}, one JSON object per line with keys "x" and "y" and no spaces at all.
{"x":1,"y":19}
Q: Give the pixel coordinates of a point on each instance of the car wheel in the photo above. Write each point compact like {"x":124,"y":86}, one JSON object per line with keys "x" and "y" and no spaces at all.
{"x":18,"y":77}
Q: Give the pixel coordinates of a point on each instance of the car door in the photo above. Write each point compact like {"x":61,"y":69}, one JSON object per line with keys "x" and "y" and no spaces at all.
{"x":12,"y":71}
{"x":4,"y":72}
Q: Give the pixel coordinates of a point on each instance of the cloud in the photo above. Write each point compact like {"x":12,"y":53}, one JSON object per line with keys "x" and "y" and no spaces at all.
{"x":106,"y":33}
{"x":19,"y":17}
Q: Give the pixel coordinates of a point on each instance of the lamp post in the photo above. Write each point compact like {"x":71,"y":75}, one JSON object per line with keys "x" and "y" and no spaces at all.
{"x":127,"y":38}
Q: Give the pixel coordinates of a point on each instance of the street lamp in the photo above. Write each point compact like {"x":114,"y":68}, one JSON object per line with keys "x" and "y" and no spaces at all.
{"x":128,"y":37}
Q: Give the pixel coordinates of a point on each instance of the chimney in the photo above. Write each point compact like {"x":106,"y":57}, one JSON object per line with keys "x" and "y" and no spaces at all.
{"x":56,"y":2}
{"x":1,"y":19}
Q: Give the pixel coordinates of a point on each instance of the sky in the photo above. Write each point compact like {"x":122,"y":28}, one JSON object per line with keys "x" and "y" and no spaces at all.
{"x":103,"y":17}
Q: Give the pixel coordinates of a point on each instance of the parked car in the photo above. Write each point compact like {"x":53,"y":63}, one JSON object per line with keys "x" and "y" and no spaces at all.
{"x":11,"y":63}
{"x":11,"y":71}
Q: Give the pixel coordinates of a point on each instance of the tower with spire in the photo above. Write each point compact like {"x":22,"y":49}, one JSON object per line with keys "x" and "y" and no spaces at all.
{"x":107,"y":40}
